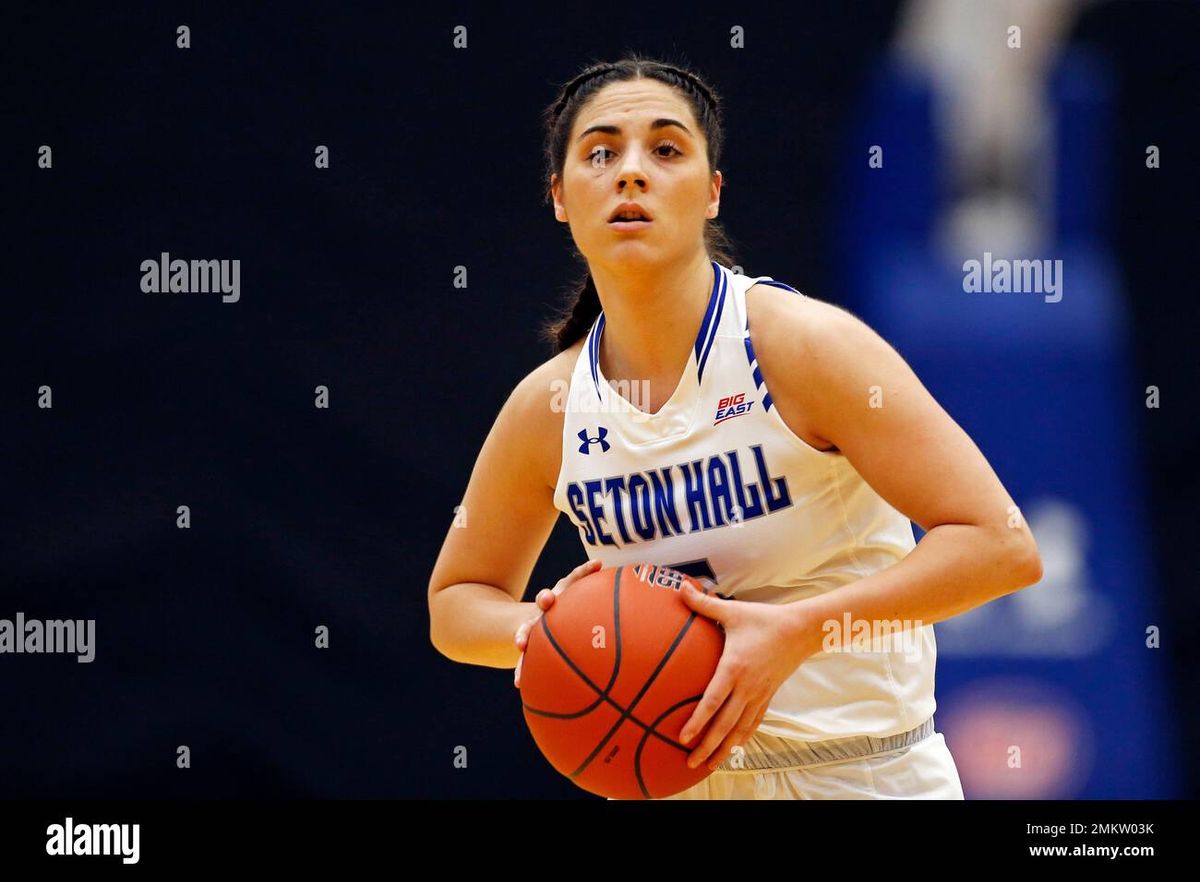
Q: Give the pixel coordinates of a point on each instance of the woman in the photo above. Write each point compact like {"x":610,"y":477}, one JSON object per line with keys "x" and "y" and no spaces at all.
{"x":783,"y":467}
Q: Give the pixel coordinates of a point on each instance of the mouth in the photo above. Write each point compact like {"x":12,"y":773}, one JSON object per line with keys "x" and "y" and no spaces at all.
{"x":629,"y":225}
{"x":630,"y":215}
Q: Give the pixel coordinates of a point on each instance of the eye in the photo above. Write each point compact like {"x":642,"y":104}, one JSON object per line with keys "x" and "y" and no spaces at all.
{"x":599,"y":155}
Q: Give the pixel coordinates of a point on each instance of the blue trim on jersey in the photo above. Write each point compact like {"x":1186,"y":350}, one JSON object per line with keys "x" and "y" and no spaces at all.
{"x":750,"y":356}
{"x":719,"y":286}
{"x":756,"y":371}
{"x":594,"y":351}
{"x":783,"y":285}
{"x":704,"y":339}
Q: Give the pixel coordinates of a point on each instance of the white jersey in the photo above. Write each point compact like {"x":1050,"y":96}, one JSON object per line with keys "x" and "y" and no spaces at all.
{"x":715,"y":484}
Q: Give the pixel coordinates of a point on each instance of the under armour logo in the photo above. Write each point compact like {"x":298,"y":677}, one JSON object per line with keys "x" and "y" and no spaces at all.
{"x":599,"y":439}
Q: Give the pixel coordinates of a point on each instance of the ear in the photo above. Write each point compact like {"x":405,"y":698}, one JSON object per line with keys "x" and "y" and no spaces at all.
{"x":560,"y":210}
{"x":714,"y":195}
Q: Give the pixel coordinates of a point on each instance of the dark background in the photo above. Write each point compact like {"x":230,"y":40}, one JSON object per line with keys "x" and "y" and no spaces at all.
{"x":304,"y":517}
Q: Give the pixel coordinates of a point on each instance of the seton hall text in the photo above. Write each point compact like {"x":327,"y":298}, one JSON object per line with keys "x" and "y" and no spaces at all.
{"x":685,"y":498}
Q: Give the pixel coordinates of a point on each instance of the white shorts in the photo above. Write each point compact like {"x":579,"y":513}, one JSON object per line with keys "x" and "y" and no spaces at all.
{"x":922,"y":770}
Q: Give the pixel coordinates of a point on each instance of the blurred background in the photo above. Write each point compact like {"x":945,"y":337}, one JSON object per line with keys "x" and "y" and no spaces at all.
{"x":873,"y":149}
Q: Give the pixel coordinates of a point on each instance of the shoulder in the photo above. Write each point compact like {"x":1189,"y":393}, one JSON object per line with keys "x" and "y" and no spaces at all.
{"x":812,"y":354}
{"x":800,"y":323}
{"x":533,"y":413}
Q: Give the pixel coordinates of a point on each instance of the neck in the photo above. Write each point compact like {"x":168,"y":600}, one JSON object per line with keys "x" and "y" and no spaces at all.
{"x":652,"y":315}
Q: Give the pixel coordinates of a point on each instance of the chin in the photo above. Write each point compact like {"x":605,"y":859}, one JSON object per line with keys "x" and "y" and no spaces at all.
{"x":633,"y":251}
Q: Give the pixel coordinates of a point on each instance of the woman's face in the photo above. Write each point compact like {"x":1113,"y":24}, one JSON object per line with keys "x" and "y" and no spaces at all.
{"x":621,"y":150}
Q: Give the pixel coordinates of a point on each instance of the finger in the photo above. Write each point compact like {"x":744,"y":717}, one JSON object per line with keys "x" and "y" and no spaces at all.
{"x":517,"y":671}
{"x":717,"y":732}
{"x":708,"y":605}
{"x":545,"y":598}
{"x":584,"y":569}
{"x":714,"y":696}
{"x":738,"y":735}
{"x":758,"y":718}
{"x":522,"y":634}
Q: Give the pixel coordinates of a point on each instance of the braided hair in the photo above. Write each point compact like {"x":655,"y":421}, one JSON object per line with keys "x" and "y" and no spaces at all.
{"x":583,"y":305}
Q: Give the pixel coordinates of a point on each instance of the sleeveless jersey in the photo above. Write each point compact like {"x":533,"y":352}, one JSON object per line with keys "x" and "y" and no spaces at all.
{"x":716,"y":485}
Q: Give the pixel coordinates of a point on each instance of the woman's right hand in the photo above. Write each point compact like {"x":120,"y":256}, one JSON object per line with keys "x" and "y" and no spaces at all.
{"x":545,"y":600}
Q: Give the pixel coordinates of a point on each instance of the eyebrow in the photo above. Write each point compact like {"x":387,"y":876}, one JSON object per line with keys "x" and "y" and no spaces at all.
{"x":616,"y":130}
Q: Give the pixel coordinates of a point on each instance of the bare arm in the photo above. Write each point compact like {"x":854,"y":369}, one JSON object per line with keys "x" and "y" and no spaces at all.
{"x":826,"y":369}
{"x":483,"y":568}
{"x":977,"y":546}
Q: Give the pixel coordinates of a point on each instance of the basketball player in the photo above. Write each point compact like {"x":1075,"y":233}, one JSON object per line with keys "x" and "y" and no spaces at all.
{"x":754,"y":437}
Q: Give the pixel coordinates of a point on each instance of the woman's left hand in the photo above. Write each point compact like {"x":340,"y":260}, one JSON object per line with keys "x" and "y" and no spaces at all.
{"x":764,"y":644}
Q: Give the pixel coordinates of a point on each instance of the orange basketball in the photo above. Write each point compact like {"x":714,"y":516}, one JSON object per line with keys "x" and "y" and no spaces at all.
{"x":611,"y":673}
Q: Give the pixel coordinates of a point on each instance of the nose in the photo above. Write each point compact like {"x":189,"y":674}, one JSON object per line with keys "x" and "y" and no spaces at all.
{"x":631,"y":171}
{"x":628,"y":178}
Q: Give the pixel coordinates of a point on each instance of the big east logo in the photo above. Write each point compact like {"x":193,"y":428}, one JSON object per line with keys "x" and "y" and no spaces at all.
{"x":732,"y":406}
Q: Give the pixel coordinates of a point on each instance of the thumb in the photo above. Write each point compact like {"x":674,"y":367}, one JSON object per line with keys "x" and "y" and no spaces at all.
{"x":707,"y":604}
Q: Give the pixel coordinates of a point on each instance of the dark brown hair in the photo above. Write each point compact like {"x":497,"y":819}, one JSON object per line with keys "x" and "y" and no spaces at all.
{"x":583,"y":306}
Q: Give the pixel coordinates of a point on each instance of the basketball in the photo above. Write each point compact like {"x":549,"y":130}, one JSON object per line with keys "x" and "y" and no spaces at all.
{"x":611,"y":673}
